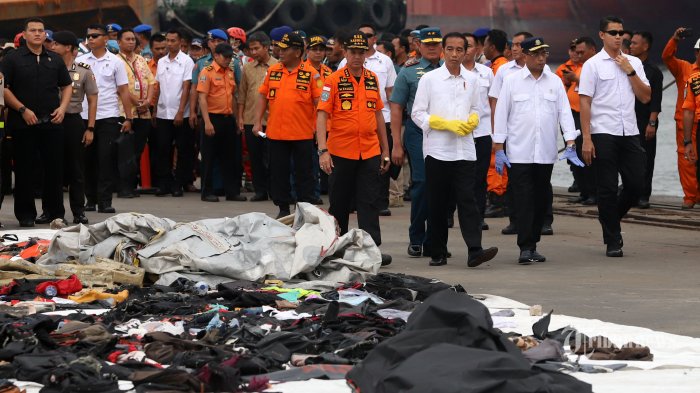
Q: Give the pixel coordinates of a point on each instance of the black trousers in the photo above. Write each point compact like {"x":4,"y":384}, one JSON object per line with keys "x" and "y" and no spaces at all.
{"x":512,"y":197}
{"x":650,"y":149}
{"x":142,"y":132}
{"x":47,"y":140}
{"x":585,"y":175}
{"x":483,"y":146}
{"x":532,"y":185}
{"x":356,"y":181}
{"x":183,"y":138}
{"x":281,"y":154}
{"x":623,"y":155}
{"x":385,"y":179}
{"x":74,"y":161}
{"x":109,"y":162}
{"x":458,"y":178}
{"x":257,"y":150}
{"x":223,"y":147}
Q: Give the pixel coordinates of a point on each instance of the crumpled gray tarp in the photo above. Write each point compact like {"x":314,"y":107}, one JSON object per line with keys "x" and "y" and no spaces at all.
{"x":250,"y":246}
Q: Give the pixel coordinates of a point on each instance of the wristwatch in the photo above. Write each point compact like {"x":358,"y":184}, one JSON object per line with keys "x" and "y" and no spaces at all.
{"x":91,"y":129}
{"x":321,"y":151}
{"x":687,"y":142}
{"x":633,"y":73}
{"x":653,"y":123}
{"x":22,"y":109}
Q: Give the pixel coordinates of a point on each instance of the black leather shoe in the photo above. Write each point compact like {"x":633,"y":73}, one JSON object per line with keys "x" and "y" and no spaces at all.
{"x":547,"y":230}
{"x":26,"y":223}
{"x":415,"y":250}
{"x":536,"y":256}
{"x":80,"y":219}
{"x":386,"y":259}
{"x":484,"y":226}
{"x":525,"y":257}
{"x":450,"y":222}
{"x":494,"y":212}
{"x":283,"y":213}
{"x":578,"y":199}
{"x":590,"y":202}
{"x":210,"y":198}
{"x":105,"y":208}
{"x":643,"y":204}
{"x":573,"y":187}
{"x":614,"y":250}
{"x":258,"y":198}
{"x":43,"y":219}
{"x":177,"y":193}
{"x":161,"y":192}
{"x":127,"y":194}
{"x":509,"y":230}
{"x":438,"y":261}
{"x":481,"y":256}
{"x":317,"y":201}
{"x":236,"y":198}
{"x":385,"y":212}
{"x":428,"y":253}
{"x":90,"y":207}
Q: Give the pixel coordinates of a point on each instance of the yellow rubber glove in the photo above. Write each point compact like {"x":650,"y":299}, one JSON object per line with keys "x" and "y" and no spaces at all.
{"x":470,"y":125}
{"x":439,"y":123}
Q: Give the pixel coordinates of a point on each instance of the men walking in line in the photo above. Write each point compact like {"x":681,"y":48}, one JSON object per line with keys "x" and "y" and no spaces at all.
{"x":610,"y":81}
{"x":532,"y":106}
{"x":448,"y":149}
{"x":647,"y":114}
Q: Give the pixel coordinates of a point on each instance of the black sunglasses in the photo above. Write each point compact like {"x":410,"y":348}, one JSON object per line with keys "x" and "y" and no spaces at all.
{"x":95,"y":35}
{"x":615,"y":32}
{"x":369,"y":35}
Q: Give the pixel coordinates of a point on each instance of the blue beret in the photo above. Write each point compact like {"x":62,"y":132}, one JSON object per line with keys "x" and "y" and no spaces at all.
{"x":481,"y":32}
{"x":277,"y":33}
{"x":113,"y":46}
{"x":217,"y":34}
{"x":113,"y":28}
{"x":142,"y":28}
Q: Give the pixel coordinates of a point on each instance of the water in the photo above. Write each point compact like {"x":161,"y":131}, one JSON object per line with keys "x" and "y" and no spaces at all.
{"x":666,"y":181}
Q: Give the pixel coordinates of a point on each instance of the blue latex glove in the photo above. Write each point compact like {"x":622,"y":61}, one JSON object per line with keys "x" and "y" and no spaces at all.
{"x":570,"y":154}
{"x":501,"y":159}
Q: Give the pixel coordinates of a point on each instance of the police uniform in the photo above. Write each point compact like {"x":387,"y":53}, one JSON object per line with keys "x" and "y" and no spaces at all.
{"x":84,"y":84}
{"x":225,"y":145}
{"x":35,"y":80}
{"x":290,"y":126}
{"x":404,"y":94}
{"x":353,"y":144}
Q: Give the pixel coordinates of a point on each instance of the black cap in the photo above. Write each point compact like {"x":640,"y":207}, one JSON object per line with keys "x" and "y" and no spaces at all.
{"x":65,"y":38}
{"x":224,"y":49}
{"x":533,"y":44}
{"x":358,"y":40}
{"x":292,"y":40}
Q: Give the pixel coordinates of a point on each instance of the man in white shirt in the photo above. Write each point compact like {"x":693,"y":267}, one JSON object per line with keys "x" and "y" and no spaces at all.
{"x":174,"y":77}
{"x":446,"y":109}
{"x":531,"y":107}
{"x":608,"y":85}
{"x":104,"y":161}
{"x":383,"y":66}
{"x":482,"y":133}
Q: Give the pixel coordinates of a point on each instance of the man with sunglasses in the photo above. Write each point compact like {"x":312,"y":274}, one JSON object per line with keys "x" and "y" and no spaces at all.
{"x":531,"y":107}
{"x":609,"y":83}
{"x":33,"y":78}
{"x":113,"y":86}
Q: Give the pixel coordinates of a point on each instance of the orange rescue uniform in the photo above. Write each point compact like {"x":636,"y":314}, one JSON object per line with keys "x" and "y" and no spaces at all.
{"x":692,"y":96}
{"x":681,"y":71}
{"x":219,"y":84}
{"x":496,"y":183}
{"x":353,"y":106}
{"x":571,"y":88}
{"x":290,"y":96}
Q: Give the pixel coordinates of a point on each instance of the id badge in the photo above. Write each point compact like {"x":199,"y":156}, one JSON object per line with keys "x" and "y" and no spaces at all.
{"x":137,"y":86}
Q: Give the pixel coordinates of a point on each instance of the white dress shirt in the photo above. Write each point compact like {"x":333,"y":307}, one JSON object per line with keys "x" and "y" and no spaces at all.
{"x":110,"y":73}
{"x":381,"y":65}
{"x":485,"y":76}
{"x":503,"y":71}
{"x":528,"y":115}
{"x":170,"y":76}
{"x":612,"y":106}
{"x":453,"y":98}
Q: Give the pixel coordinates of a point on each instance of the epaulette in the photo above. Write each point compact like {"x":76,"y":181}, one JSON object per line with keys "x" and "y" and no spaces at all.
{"x":411,"y":62}
{"x":209,"y":67}
{"x":86,"y":66}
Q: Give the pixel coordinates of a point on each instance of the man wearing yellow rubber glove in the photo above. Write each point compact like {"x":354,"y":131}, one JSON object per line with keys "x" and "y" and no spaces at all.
{"x":445,"y":109}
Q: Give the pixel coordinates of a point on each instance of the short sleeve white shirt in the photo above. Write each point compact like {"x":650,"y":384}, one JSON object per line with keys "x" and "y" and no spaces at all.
{"x":485,"y":77}
{"x":612,"y":97}
{"x":110,"y":73}
{"x":170,"y":76}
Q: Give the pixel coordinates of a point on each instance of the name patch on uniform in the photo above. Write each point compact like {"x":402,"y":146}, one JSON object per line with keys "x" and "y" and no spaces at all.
{"x":346,"y":105}
{"x":371,"y":84}
{"x":275,"y":76}
{"x":345,"y":86}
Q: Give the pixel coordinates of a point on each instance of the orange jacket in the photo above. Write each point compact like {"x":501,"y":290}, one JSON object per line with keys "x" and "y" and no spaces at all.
{"x":681,"y":70}
{"x":572,"y":88}
{"x":692,"y":95}
{"x":497,"y":63}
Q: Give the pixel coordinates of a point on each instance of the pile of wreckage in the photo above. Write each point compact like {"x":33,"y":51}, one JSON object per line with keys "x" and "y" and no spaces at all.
{"x":246,"y":304}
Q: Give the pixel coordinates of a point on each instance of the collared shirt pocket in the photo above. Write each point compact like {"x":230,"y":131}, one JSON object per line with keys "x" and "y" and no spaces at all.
{"x":522,"y":102}
{"x":549,"y":103}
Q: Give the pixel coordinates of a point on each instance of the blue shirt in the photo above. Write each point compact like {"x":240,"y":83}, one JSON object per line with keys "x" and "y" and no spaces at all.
{"x":406,"y":84}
